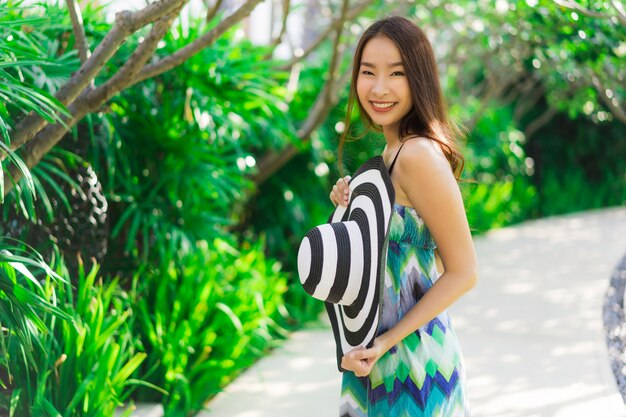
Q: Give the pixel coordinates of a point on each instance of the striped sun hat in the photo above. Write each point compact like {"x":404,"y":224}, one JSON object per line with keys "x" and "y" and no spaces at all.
{"x":343,"y":261}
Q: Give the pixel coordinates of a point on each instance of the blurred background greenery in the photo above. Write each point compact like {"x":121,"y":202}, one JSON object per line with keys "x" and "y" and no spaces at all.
{"x":148,"y":254}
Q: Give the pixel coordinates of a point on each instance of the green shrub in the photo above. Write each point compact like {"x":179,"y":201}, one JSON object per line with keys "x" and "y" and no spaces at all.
{"x":204,"y":318}
{"x":83,"y":365}
{"x":23,"y":299}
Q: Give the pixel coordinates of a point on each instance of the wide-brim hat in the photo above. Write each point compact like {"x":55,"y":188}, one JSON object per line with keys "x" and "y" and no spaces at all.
{"x":343,"y":262}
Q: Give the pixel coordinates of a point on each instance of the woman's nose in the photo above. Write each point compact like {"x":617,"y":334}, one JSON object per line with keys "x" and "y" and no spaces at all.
{"x":380,"y":87}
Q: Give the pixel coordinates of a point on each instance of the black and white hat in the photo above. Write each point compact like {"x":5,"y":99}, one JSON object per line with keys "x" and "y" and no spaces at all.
{"x":343,"y":262}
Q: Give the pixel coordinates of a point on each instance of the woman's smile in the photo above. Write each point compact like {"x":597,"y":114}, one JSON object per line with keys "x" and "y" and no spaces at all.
{"x":383,"y":107}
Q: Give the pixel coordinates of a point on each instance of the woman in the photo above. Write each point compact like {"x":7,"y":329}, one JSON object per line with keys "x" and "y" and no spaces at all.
{"x":415,"y":366}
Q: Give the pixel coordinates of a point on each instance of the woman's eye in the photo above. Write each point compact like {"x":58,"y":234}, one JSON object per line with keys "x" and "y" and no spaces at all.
{"x":365,"y":72}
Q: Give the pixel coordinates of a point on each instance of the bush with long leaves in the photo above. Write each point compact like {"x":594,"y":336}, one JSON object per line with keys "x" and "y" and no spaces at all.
{"x":205,"y":318}
{"x":83,"y":366}
{"x":23,"y":300}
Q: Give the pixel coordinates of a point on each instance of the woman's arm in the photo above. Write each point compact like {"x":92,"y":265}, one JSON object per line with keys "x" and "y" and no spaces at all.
{"x":438,"y":262}
{"x":427,"y":180}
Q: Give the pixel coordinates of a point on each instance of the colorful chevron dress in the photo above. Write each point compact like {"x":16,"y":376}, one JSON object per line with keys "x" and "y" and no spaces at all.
{"x":422,"y":375}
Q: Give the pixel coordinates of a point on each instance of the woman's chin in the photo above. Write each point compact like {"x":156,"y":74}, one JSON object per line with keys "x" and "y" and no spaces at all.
{"x":380,"y":121}
{"x":384,"y":124}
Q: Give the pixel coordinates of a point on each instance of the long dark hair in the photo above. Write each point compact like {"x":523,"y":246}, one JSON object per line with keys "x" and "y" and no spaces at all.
{"x":429,"y":115}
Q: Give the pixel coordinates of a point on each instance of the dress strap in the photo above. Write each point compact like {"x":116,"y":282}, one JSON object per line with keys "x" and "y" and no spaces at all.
{"x":396,"y":157}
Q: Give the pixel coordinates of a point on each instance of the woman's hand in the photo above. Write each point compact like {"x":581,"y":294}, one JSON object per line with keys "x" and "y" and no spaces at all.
{"x":361,"y":361}
{"x":355,"y":365}
{"x":341,"y":191}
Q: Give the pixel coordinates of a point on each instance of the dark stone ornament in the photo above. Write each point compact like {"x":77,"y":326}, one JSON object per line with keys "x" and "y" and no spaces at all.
{"x":615,"y":324}
{"x":83,"y":232}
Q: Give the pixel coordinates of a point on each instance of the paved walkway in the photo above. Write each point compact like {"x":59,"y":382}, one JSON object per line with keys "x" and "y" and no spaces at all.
{"x":531,"y":332}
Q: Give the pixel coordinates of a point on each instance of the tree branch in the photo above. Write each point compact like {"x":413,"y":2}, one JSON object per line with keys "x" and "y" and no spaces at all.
{"x":531,"y":92}
{"x":272,"y":161}
{"x":324,"y":102}
{"x":495,"y":87}
{"x":283,"y":29}
{"x":79,"y":30}
{"x":33,"y":151}
{"x":283,"y":24}
{"x":334,"y":60}
{"x":613,"y":104}
{"x":180,"y":56}
{"x":89,"y":100}
{"x":571,"y":4}
{"x":621,"y":14}
{"x":213,"y":11}
{"x":539,"y":122}
{"x":127,"y":73}
{"x":126,"y":23}
{"x":351,"y":14}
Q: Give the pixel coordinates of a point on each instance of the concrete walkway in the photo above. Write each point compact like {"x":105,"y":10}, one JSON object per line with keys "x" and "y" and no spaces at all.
{"x":531,"y":332}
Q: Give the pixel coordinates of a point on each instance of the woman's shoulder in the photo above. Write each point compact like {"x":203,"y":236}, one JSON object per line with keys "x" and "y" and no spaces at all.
{"x":422,"y":170}
{"x":421,"y":151}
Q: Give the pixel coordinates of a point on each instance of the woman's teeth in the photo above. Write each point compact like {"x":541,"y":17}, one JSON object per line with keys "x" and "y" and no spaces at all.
{"x":383,"y":106}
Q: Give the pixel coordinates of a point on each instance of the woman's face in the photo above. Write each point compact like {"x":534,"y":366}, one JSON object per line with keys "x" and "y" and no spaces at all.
{"x":382,"y":86}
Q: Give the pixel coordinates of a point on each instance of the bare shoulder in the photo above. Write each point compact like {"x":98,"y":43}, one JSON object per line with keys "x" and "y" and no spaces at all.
{"x":421,"y":156}
{"x":421,"y":170}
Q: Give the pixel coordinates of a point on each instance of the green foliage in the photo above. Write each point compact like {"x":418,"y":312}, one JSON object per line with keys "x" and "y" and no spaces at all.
{"x":22,"y":53}
{"x":83,"y":365}
{"x":499,"y":188}
{"x":534,"y":59}
{"x":47,"y":176}
{"x":22,"y":301}
{"x":181,"y":148}
{"x":588,"y":172}
{"x":204,"y":318}
{"x":284,"y":213}
{"x":572,"y":53}
{"x":174,"y":154}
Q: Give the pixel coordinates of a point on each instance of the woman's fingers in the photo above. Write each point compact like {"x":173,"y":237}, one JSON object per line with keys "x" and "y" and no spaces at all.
{"x":356,"y":366}
{"x":360,"y":368}
{"x":341,"y":191}
{"x":357,"y":354}
{"x":334,"y":195}
{"x":348,"y":364}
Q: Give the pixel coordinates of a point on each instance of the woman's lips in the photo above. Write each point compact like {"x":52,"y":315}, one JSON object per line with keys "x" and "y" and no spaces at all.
{"x":382,"y":109}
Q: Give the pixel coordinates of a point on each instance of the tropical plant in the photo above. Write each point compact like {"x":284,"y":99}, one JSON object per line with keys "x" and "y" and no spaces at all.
{"x":23,"y":300}
{"x":83,"y":365}
{"x":206,"y":317}
{"x":176,"y":173}
{"x":20,"y":50}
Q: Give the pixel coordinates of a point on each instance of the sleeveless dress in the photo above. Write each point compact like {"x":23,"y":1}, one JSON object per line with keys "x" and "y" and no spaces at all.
{"x":423,"y":375}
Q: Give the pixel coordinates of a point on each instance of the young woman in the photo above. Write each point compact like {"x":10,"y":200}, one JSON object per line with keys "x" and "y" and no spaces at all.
{"x":415,"y":367}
